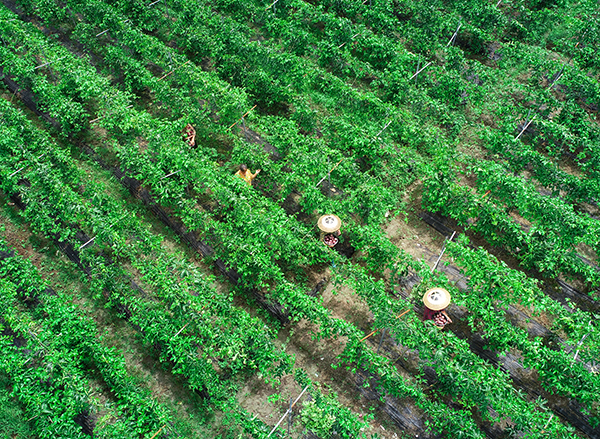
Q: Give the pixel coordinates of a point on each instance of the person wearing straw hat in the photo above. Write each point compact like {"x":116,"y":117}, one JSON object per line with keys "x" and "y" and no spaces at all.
{"x":436,"y":301}
{"x":330,"y":229}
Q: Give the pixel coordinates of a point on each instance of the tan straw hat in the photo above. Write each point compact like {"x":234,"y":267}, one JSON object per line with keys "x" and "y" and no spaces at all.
{"x":329,"y":223}
{"x":436,"y":299}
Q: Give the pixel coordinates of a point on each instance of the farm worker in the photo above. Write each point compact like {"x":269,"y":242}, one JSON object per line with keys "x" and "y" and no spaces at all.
{"x":246,"y":174}
{"x":436,"y":301}
{"x":189,"y":135}
{"x":330,"y":229}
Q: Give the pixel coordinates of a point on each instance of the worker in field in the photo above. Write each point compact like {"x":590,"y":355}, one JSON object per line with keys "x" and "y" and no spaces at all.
{"x":245,"y":174}
{"x":436,"y":301}
{"x":330,"y":229}
{"x":189,"y":135}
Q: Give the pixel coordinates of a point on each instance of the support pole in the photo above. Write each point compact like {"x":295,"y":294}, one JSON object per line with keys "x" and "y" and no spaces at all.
{"x":156,"y":434}
{"x":81,"y":246}
{"x":179,"y":332}
{"x":419,"y":71}
{"x":454,"y":36}
{"x":243,"y":115}
{"x":168,"y":175}
{"x":171,"y":72}
{"x":525,"y":127}
{"x":102,"y":117}
{"x":381,"y":341}
{"x":272,"y":4}
{"x":329,"y":173}
{"x":23,"y":167}
{"x":375,"y":331}
{"x":383,"y":129}
{"x":290,"y":418}
{"x":48,"y":63}
{"x":285,"y":414}
{"x":442,"y":253}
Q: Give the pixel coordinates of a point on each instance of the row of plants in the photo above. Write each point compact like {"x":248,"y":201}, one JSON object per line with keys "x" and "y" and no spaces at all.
{"x":461,"y":375}
{"x":539,"y":246}
{"x":242,"y":186}
{"x":578,"y":76}
{"x":219,"y":333}
{"x":492,"y":288}
{"x":197,"y":317}
{"x":342,"y":414}
{"x":66,"y":347}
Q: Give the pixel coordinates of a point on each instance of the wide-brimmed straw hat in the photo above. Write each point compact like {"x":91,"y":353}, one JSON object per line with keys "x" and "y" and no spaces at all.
{"x":436,"y":299}
{"x":329,"y":223}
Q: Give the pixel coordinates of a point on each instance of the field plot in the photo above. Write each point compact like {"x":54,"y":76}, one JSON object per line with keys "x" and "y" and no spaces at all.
{"x":146,"y":291}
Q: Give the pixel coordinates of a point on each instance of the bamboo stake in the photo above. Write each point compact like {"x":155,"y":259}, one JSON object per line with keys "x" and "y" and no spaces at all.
{"x":81,"y":246}
{"x":272,"y":4}
{"x":343,"y":44}
{"x":179,"y":332}
{"x":168,"y":175}
{"x":43,"y":65}
{"x":153,"y":3}
{"x":171,"y":72}
{"x":17,"y":171}
{"x":382,"y":130}
{"x":525,"y":127}
{"x":245,"y":114}
{"x":329,"y":173}
{"x":285,"y":414}
{"x":442,"y":253}
{"x":155,"y":434}
{"x":102,"y":33}
{"x":454,"y":36}
{"x":431,"y":62}
{"x":547,"y":423}
{"x":419,"y":71}
{"x":375,"y":331}
{"x":290,"y":417}
{"x":578,"y":346}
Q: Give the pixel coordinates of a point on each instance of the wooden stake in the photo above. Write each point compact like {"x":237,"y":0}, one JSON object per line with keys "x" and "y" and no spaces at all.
{"x":155,"y":434}
{"x":171,"y":72}
{"x":283,"y":417}
{"x":329,"y":173}
{"x":375,"y":331}
{"x":244,"y":115}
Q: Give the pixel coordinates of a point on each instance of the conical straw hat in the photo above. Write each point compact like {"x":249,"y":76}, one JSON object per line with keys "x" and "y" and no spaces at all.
{"x":329,"y":223}
{"x":436,"y":299}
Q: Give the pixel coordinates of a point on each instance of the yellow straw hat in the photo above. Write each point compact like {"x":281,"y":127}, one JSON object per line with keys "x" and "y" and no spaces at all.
{"x":329,"y":223}
{"x":436,"y":299}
